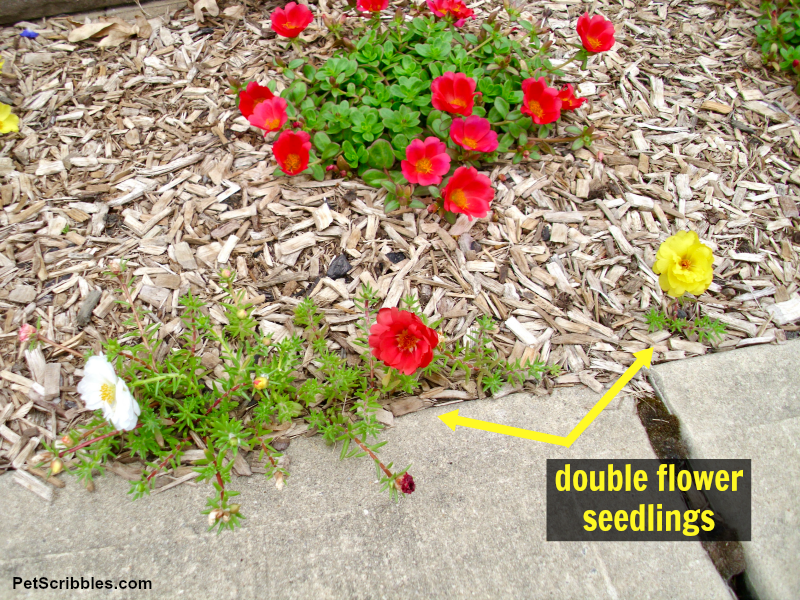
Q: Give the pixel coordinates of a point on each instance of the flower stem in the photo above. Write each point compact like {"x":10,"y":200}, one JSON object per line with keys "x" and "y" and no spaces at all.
{"x":228,"y":393}
{"x":158,"y":378}
{"x":372,"y":455}
{"x":55,"y":344}
{"x":571,"y":60}
{"x":164,"y":462}
{"x":135,"y":312}
{"x":92,"y":441}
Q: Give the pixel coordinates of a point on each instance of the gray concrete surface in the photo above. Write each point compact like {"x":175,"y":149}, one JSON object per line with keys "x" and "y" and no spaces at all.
{"x":746,"y":404}
{"x":475,"y":527}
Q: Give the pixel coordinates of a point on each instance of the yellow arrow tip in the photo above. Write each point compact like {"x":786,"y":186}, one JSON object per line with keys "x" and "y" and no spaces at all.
{"x":450,"y":419}
{"x":645,"y":356}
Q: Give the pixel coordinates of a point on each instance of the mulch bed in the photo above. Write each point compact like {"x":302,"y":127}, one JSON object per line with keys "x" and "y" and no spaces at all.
{"x":135,"y":152}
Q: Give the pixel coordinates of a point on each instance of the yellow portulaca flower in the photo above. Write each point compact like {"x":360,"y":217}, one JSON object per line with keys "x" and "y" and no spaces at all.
{"x":684,"y":265}
{"x":8,"y":122}
{"x":100,"y":388}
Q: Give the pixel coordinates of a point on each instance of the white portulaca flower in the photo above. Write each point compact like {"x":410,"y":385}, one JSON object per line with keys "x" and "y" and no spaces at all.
{"x":101,"y":388}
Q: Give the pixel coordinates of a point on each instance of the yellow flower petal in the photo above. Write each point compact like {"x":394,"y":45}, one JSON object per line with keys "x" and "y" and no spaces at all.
{"x":684,"y":265}
{"x":9,"y":123}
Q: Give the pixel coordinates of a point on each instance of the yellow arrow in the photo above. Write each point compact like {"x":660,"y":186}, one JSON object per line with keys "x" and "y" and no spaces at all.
{"x":643,"y":359}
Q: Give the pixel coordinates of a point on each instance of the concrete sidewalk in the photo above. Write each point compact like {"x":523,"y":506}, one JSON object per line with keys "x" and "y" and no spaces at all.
{"x":746,"y":404}
{"x":475,"y":527}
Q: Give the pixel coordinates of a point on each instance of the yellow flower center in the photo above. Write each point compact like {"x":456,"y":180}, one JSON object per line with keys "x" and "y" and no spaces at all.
{"x":292,"y":162}
{"x":593,"y":43}
{"x":459,"y":198}
{"x":470,"y":143}
{"x":292,"y":26}
{"x":424,"y":166}
{"x":258,"y":101}
{"x":458,"y":102}
{"x":685,"y":263}
{"x":406,"y":341}
{"x":273,"y":124}
{"x":535,"y":108}
{"x":108,"y":393}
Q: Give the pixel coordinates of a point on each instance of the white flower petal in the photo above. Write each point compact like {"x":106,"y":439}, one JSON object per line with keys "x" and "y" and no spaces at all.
{"x":126,"y":410}
{"x":99,"y":366}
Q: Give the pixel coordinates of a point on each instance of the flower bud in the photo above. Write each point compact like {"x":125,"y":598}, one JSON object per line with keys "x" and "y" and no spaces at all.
{"x":260,"y":383}
{"x":330,"y":168}
{"x":234,"y":509}
{"x":67,"y":441}
{"x":241,"y":313}
{"x":795,"y":63}
{"x":56,"y":466}
{"x":405,"y":483}
{"x":225,"y":273}
{"x":26,"y":332}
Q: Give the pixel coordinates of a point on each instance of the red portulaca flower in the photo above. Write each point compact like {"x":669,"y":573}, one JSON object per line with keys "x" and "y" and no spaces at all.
{"x":568,"y":99}
{"x":269,"y":115}
{"x":253,"y":96}
{"x":426,"y":162}
{"x":291,"y":151}
{"x":597,"y":33}
{"x":372,"y":5}
{"x":405,"y":483}
{"x":291,"y":20}
{"x":474,"y":133}
{"x":454,"y":93}
{"x":541,"y":102}
{"x":469,"y":193}
{"x":401,"y":340}
{"x":455,"y":9}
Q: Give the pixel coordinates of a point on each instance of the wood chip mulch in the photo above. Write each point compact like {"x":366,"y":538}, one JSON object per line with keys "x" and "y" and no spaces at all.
{"x":135,"y":152}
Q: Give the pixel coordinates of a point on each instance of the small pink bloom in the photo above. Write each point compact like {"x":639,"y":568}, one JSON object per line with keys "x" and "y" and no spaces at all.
{"x":453,"y":9}
{"x":26,"y":332}
{"x":426,"y":162}
{"x":568,"y":99}
{"x":474,"y":133}
{"x":372,"y":6}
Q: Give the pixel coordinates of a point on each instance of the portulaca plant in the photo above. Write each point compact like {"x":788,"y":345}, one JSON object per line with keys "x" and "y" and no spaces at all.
{"x":155,"y":404}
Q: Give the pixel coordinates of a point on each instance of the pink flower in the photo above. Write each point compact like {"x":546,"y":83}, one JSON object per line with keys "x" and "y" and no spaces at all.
{"x":568,"y":99}
{"x":596,"y":33}
{"x":454,"y":93}
{"x":372,"y":6}
{"x":474,"y":133}
{"x":426,"y":162}
{"x":541,"y":102}
{"x":454,"y":9}
{"x":291,"y":20}
{"x":269,"y":115}
{"x":26,"y":332}
{"x":468,"y":192}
